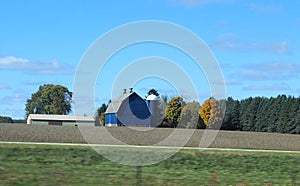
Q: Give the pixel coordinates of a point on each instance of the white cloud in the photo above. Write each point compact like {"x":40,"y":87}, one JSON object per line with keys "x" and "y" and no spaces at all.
{"x":264,"y":8}
{"x":275,"y":70}
{"x":231,"y":41}
{"x":34,"y":67}
{"x":99,"y":100}
{"x":232,"y":82}
{"x":9,"y":60}
{"x":4,"y":87}
{"x":161,"y":91}
{"x":13,"y":99}
{"x":227,"y":82}
{"x":227,"y":41}
{"x":13,"y":112}
{"x":274,"y":87}
{"x":33,"y":83}
{"x":277,"y":67}
{"x":196,"y":3}
{"x":222,"y":24}
{"x":227,"y":66}
{"x":227,"y":36}
{"x":281,"y":47}
{"x":253,"y":75}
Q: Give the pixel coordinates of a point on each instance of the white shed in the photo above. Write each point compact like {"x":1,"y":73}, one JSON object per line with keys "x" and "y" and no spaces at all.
{"x":65,"y":120}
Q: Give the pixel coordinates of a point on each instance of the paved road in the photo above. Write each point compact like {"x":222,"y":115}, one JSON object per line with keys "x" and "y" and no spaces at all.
{"x":154,"y":147}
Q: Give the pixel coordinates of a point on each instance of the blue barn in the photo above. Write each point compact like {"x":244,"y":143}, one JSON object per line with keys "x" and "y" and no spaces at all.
{"x":129,"y":109}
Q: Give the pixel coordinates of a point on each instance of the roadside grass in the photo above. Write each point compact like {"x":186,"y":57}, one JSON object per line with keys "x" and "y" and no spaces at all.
{"x":77,"y":165}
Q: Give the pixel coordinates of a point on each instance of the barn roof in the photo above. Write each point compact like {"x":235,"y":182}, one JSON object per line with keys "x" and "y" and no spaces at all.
{"x":53,"y":117}
{"x":115,"y":104}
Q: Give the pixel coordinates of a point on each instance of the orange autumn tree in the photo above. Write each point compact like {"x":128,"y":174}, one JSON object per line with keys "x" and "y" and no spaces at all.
{"x":211,"y":113}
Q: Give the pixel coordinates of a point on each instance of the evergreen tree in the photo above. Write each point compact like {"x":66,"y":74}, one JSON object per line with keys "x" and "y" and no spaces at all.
{"x":279,"y":114}
{"x":272,"y":115}
{"x":231,"y":117}
{"x":283,"y":115}
{"x":235,"y":121}
{"x":244,"y":114}
{"x":261,"y":116}
{"x":293,"y":126}
{"x":227,"y":121}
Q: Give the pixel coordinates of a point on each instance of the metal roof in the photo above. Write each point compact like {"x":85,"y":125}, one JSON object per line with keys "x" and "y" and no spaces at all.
{"x":115,"y":104}
{"x":52,"y":117}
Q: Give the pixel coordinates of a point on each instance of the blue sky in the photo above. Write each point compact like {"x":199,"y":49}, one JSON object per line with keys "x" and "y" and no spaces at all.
{"x":255,"y":42}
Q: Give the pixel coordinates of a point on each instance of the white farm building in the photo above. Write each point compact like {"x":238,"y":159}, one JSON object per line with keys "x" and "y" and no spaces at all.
{"x":62,"y":120}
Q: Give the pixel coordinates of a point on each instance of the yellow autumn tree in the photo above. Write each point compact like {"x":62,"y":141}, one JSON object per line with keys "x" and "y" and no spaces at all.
{"x":211,"y":113}
{"x":173,"y":110}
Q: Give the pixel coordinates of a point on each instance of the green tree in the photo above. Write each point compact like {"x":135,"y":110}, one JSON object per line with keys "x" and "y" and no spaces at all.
{"x":189,"y":116}
{"x":294,"y":115}
{"x":272,"y":114}
{"x":173,"y":110}
{"x":235,"y":115}
{"x":252,"y":113}
{"x":49,"y":99}
{"x":100,"y":114}
{"x":245,"y":114}
{"x":152,"y":92}
{"x":261,"y":115}
{"x":283,"y":114}
{"x":5,"y":119}
{"x":165,"y":98}
{"x":279,"y":114}
{"x":231,"y":117}
{"x":294,"y":124}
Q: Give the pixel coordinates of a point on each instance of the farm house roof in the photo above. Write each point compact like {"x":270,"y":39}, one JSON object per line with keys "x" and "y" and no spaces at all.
{"x":115,"y":104}
{"x":53,"y":117}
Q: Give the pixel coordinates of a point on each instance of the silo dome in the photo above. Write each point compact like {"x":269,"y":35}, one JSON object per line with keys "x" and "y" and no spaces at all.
{"x":152,"y":97}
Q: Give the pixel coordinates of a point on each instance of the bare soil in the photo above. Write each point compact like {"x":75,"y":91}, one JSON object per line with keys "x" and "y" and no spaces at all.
{"x":146,"y":136}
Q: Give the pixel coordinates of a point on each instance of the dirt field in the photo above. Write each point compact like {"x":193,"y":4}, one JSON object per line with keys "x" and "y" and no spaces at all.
{"x":134,"y":136}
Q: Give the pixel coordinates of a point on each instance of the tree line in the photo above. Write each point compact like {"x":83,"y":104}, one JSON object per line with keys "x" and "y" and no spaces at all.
{"x":261,"y":114}
{"x":7,"y":119}
{"x":276,"y":114}
{"x":279,"y":114}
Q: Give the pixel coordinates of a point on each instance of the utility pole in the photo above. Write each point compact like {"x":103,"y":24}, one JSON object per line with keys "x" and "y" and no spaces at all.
{"x":139,"y":175}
